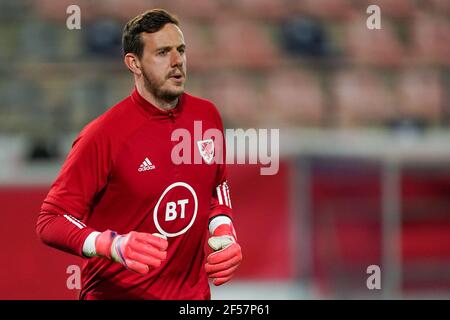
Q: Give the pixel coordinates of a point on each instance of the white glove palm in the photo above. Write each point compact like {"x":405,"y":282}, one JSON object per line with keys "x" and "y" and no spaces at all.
{"x":220,"y":242}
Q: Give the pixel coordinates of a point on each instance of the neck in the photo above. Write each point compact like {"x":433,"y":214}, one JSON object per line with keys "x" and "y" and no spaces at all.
{"x":159,"y":103}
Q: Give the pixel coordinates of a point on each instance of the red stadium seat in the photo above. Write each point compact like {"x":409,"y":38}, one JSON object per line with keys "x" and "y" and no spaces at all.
{"x":398,"y":9}
{"x":238,"y":99}
{"x":421,"y":96}
{"x":430,"y":40}
{"x":362,"y":99}
{"x":193,"y":10}
{"x":199,"y":47}
{"x":243,"y":43}
{"x":324,"y":9}
{"x":373,"y":47}
{"x":125,"y":10}
{"x":56,"y":10}
{"x":441,"y":6}
{"x":294,"y":98}
{"x":264,"y":9}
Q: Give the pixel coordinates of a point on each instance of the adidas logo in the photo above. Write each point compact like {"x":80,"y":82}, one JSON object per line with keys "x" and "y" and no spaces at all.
{"x":146,"y":165}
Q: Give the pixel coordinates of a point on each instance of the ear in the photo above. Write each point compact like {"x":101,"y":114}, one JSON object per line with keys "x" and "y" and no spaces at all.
{"x":133,"y":63}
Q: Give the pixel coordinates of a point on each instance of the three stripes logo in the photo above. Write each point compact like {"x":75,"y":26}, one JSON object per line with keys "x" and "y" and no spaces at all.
{"x":146,"y":165}
{"x":75,"y":221}
{"x":223,"y":194}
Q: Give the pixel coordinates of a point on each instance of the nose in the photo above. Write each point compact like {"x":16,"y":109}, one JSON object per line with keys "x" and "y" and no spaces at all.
{"x":176,"y":59}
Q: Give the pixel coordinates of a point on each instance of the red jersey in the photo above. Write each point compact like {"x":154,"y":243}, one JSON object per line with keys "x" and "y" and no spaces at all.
{"x":120,"y":175}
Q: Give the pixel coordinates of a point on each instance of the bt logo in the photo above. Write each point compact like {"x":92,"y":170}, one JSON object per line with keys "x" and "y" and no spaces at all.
{"x":171,"y":209}
{"x":176,"y":210}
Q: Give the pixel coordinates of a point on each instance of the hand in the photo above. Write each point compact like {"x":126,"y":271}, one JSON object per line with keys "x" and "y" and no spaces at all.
{"x":227,"y":257}
{"x":137,"y":251}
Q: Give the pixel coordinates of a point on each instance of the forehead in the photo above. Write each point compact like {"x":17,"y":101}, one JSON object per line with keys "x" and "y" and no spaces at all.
{"x":169,"y":36}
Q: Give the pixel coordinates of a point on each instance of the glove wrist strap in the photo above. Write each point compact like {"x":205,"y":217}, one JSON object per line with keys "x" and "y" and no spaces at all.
{"x":104,"y":242}
{"x":225,"y":230}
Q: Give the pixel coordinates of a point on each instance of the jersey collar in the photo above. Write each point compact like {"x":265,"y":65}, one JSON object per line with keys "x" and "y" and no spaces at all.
{"x":152,"y":110}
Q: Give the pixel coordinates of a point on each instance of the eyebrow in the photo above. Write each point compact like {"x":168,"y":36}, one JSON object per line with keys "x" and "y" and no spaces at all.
{"x":170,"y":48}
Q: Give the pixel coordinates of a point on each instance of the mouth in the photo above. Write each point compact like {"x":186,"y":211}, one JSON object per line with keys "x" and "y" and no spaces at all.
{"x":178,"y":77}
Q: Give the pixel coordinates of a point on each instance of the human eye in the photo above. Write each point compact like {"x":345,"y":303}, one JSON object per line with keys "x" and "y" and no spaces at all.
{"x":162,"y":52}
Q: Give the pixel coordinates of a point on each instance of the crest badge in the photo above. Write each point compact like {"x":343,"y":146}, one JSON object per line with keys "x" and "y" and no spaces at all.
{"x":206,"y":149}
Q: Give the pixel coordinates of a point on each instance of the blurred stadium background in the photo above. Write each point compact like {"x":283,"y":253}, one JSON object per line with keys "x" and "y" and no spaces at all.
{"x":364,"y":120}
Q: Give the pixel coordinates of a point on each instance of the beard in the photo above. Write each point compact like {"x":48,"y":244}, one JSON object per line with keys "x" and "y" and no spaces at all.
{"x":154,"y":88}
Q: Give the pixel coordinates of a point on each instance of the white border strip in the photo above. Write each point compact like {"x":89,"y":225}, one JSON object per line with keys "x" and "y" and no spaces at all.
{"x":76,"y":222}
{"x":219,"y":195}
{"x":217,"y":221}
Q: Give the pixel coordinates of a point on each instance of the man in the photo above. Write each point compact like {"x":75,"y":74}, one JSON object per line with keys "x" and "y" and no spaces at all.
{"x":140,"y":219}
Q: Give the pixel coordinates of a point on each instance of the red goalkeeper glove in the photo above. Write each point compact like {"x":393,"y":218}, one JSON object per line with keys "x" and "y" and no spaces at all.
{"x":137,"y":251}
{"x":222,"y":263}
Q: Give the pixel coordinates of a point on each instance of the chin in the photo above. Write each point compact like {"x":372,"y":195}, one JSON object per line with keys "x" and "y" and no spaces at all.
{"x":178,"y":90}
{"x":172,"y":94}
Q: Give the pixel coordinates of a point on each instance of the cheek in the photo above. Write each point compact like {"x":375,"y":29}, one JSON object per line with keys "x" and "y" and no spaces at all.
{"x":155,"y":73}
{"x":156,"y":66}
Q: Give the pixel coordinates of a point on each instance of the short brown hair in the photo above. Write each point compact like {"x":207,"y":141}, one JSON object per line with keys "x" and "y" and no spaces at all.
{"x":150,"y":21}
